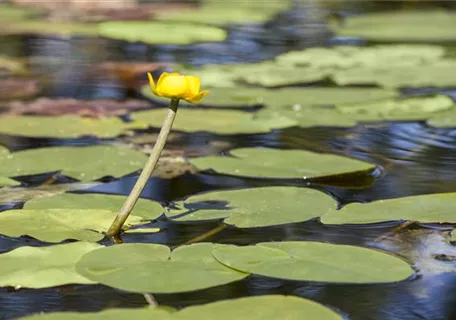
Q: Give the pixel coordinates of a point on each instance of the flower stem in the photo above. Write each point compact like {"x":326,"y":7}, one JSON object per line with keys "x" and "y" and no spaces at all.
{"x":133,"y":197}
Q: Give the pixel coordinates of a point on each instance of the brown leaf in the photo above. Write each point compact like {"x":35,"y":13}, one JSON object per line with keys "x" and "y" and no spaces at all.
{"x":86,"y":108}
{"x":15,"y":88}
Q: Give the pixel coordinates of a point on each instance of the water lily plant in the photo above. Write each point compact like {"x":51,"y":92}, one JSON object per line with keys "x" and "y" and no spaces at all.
{"x":173,"y":86}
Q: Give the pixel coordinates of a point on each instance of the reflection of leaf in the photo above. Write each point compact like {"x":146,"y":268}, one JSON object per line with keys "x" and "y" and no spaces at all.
{"x":274,"y":163}
{"x":160,"y":32}
{"x":56,"y":225}
{"x":93,"y":108}
{"x":266,"y":307}
{"x":146,"y":209}
{"x":82,"y":163}
{"x":33,"y":267}
{"x":424,"y":208}
{"x":257,"y":207}
{"x":426,"y":25}
{"x":152,"y":268}
{"x":64,"y":127}
{"x":315,"y":261}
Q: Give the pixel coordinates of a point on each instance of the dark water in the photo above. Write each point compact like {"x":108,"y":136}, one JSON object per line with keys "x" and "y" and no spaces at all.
{"x":412,"y":159}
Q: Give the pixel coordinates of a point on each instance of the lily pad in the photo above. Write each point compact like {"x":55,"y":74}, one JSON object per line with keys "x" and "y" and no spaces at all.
{"x":153,"y":268}
{"x":64,"y":126}
{"x":7,"y":182}
{"x":400,"y":26}
{"x":430,"y":208}
{"x":41,"y":27}
{"x":315,"y":261}
{"x":446,"y":119}
{"x":118,"y":314}
{"x":146,"y":209}
{"x":42,"y":267}
{"x":218,"y":121}
{"x":439,"y":74}
{"x":82,"y":163}
{"x":397,"y":109}
{"x":156,"y":32}
{"x":347,"y":57}
{"x":13,"y":13}
{"x":275,"y":163}
{"x":267,"y":307}
{"x":56,"y":225}
{"x":257,"y":207}
{"x":12,"y":66}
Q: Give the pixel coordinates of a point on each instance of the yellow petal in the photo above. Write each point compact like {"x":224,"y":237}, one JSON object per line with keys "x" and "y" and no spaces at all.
{"x":161,"y":78}
{"x":152,"y":83}
{"x":198,"y":97}
{"x":173,"y":85}
{"x":194,"y":86}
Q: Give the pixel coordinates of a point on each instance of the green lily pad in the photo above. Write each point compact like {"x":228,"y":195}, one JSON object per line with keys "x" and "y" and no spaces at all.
{"x":118,"y":314}
{"x":82,"y":163}
{"x":430,"y":208}
{"x":13,"y":13}
{"x":157,"y":32}
{"x":257,"y":207}
{"x":400,"y":26}
{"x":146,"y":209}
{"x":315,"y":261}
{"x":13,"y":66}
{"x":7,"y":182}
{"x":15,"y":195}
{"x":48,"y":28}
{"x":267,"y":307}
{"x":270,"y":307}
{"x":439,"y":74}
{"x":445,"y":119}
{"x":275,"y":163}
{"x":398,"y":109}
{"x":56,"y":225}
{"x":64,"y":126}
{"x":346,"y":57}
{"x":220,"y":13}
{"x":218,"y":121}
{"x":152,"y":268}
{"x":42,"y":267}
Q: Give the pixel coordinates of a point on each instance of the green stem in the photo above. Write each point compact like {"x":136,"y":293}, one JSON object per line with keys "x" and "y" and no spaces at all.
{"x":147,"y":171}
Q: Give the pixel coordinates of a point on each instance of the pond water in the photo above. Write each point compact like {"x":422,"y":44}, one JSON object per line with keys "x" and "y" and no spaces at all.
{"x":413,"y":159}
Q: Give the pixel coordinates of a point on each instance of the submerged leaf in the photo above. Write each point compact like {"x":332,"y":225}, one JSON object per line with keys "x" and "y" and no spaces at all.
{"x":82,"y":163}
{"x":146,"y":209}
{"x":257,"y":207}
{"x":430,"y":208}
{"x":315,"y":261}
{"x":152,"y":268}
{"x":275,"y":163}
{"x":56,"y":225}
{"x":42,"y":267}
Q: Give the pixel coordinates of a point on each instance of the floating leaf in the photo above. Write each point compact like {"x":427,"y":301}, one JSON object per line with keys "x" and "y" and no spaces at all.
{"x":160,"y":32}
{"x":146,"y":209}
{"x":433,"y":75}
{"x":397,"y":109}
{"x":266,"y":307}
{"x":82,"y":163}
{"x":152,"y":268}
{"x":347,"y":57}
{"x":15,"y":195}
{"x":275,"y":163}
{"x":13,"y":13}
{"x":430,"y":208}
{"x":41,"y":267}
{"x":425,"y":25}
{"x":56,"y":225}
{"x":64,"y":126}
{"x":88,"y":108}
{"x":446,"y":119}
{"x":7,"y":182}
{"x":257,"y":207}
{"x":219,"y":12}
{"x":109,"y":314}
{"x":142,"y":230}
{"x":218,"y":121}
{"x":13,"y":66}
{"x":41,"y":27}
{"x":315,"y":261}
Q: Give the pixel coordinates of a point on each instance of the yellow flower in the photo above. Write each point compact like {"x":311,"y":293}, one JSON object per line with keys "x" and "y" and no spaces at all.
{"x":176,"y":86}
